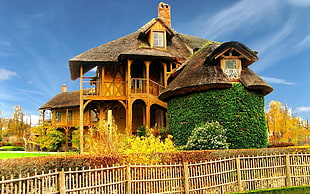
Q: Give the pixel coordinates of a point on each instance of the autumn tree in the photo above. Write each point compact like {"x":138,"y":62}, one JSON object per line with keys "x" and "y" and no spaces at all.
{"x":16,"y":125}
{"x":283,"y":126}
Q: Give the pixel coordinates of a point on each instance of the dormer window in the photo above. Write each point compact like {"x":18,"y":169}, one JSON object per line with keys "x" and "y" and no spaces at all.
{"x":159,"y":39}
{"x":232,"y":68}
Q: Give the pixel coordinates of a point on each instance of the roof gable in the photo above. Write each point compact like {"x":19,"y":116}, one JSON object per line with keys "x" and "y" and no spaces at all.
{"x":155,"y":23}
{"x":202,"y":72}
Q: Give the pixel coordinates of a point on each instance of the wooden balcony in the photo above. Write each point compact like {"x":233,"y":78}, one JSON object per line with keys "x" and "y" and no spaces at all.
{"x":118,"y":89}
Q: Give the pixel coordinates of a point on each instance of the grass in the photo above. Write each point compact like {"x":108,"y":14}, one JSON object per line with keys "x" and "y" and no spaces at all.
{"x":6,"y":155}
{"x":285,"y":190}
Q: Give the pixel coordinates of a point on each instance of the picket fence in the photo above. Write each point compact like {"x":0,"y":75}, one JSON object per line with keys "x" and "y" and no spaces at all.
{"x":220,"y":176}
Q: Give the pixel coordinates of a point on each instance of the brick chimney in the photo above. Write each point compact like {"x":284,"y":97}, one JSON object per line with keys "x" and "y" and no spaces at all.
{"x":164,"y":13}
{"x":63,"y":88}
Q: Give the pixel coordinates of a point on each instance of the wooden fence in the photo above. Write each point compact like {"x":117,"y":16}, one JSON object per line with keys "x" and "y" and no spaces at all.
{"x":220,"y":176}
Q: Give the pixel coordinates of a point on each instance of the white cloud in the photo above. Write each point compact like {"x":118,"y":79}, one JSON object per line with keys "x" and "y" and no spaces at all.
{"x":277,"y":80}
{"x":6,"y":49}
{"x":305,"y":42}
{"x":242,"y":15}
{"x":6,"y":74}
{"x":303,"y":109}
{"x":300,"y":3}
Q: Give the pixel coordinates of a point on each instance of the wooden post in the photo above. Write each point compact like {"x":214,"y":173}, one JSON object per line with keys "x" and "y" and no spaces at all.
{"x":129,"y":62}
{"x":165,"y":74}
{"x":147,"y":69}
{"x":81,"y":112}
{"x":239,"y":174}
{"x":288,"y":171}
{"x":128,"y":177}
{"x":186,"y":177}
{"x":61,"y":182}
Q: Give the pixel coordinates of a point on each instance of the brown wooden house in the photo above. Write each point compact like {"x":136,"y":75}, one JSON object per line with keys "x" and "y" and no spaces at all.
{"x":130,"y":74}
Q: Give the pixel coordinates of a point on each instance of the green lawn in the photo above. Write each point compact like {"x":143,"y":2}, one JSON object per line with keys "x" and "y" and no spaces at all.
{"x":6,"y":155}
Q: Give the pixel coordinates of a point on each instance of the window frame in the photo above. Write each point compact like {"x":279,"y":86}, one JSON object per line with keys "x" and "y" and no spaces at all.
{"x":70,"y":115}
{"x":238,"y":67}
{"x":158,"y":38}
{"x":58,"y":117}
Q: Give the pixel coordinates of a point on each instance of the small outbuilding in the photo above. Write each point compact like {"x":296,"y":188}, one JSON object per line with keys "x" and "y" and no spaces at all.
{"x":216,"y":84}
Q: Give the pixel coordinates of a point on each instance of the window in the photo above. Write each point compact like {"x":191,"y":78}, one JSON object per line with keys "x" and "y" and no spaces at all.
{"x":158,"y":39}
{"x":58,"y":116}
{"x":70,"y":115}
{"x":231,"y":69}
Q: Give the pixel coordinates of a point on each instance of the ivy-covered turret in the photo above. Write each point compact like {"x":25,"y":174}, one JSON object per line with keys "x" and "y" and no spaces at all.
{"x":215,"y":84}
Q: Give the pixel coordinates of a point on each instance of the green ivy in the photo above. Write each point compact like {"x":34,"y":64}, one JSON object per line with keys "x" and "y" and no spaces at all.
{"x":240,"y":111}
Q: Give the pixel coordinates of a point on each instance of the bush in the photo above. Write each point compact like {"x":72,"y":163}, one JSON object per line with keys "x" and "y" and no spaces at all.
{"x":31,"y":165}
{"x":209,"y":136}
{"x":12,"y":148}
{"x":281,"y":144}
{"x":144,"y":149}
{"x":49,"y":137}
{"x":240,"y":111}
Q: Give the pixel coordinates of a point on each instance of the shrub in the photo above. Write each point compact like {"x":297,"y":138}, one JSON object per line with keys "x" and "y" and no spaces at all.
{"x":31,"y":165}
{"x":11,"y":148}
{"x":281,"y":144}
{"x":49,"y":137}
{"x":144,"y":149}
{"x":240,"y":111}
{"x":209,"y":136}
{"x":103,"y":139}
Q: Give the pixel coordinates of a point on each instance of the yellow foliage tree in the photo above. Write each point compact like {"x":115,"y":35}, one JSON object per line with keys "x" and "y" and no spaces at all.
{"x":283,"y":126}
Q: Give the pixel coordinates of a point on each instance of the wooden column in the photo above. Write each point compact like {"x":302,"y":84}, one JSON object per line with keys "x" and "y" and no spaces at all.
{"x":102,"y":84}
{"x":147,"y":69}
{"x":129,"y":103}
{"x":81,"y":112}
{"x":129,"y":62}
{"x":148,"y":103}
{"x":165,"y":75}
{"x":129,"y":117}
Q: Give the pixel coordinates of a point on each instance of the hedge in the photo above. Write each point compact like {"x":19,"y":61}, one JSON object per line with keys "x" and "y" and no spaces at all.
{"x":31,"y":165}
{"x":240,"y":111}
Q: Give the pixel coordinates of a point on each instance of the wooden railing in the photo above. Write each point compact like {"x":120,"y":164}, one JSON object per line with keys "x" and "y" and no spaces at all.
{"x":155,"y":88}
{"x":138,"y":85}
{"x":220,"y":176}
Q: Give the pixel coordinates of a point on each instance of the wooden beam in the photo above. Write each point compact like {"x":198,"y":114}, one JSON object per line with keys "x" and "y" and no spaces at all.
{"x":81,"y":112}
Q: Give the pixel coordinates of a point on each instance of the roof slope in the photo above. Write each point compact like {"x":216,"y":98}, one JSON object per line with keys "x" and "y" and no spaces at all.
{"x":63,"y":100}
{"x":180,"y":46}
{"x":200,"y":73}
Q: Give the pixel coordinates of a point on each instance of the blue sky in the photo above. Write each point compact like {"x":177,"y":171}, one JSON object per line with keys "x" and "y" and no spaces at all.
{"x":38,"y":37}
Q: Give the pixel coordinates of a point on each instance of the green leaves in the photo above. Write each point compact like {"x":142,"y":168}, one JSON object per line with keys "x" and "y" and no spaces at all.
{"x":240,"y":111}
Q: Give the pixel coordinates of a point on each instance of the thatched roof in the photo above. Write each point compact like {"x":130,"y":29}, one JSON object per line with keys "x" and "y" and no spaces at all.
{"x":179,"y":47}
{"x":63,"y":100}
{"x":201,"y":73}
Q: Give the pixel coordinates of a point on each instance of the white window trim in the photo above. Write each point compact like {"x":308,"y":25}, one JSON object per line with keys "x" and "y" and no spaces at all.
{"x":163,"y":39}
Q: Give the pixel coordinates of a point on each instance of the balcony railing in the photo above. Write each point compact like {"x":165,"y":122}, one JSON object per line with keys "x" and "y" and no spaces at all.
{"x":137,"y":86}
{"x":155,"y":88}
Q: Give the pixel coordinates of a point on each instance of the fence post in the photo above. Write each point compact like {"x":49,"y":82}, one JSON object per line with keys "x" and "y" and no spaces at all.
{"x":128,"y":177}
{"x":186,"y":177}
{"x":239,"y":174}
{"x":288,"y":171}
{"x":61,"y":182}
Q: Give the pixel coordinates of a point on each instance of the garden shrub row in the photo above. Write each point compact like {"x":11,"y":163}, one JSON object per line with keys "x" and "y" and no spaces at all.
{"x":31,"y":165}
{"x":28,"y":166}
